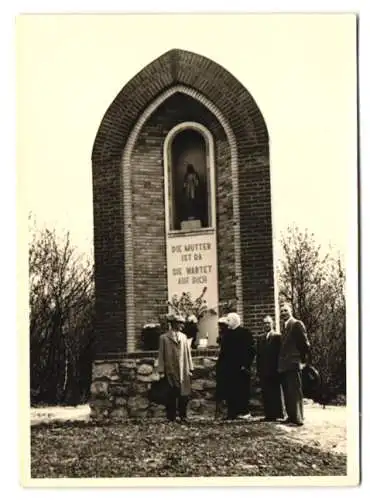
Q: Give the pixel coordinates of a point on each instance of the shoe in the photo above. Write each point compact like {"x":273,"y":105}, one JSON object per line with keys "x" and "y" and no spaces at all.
{"x":248,"y":416}
{"x":285,"y":421}
{"x":184,"y":420}
{"x":269,"y":419}
{"x":288,"y":421}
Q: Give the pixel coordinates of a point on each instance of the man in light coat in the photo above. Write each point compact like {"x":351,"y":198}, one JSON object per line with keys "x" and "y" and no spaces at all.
{"x":294,"y":352}
{"x":175,"y":363}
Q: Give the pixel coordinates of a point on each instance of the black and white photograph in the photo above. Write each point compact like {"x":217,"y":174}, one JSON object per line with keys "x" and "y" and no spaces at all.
{"x":188,"y":192}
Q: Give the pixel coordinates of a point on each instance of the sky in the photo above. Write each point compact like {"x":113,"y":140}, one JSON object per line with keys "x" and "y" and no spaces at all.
{"x":300,"y":69}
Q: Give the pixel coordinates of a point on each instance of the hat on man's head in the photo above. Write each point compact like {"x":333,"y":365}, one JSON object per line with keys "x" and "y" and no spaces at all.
{"x":179,"y":318}
{"x":175,"y":318}
{"x":170,"y":316}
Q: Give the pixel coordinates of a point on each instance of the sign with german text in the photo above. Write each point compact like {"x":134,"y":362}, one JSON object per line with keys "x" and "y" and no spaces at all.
{"x":192,"y":265}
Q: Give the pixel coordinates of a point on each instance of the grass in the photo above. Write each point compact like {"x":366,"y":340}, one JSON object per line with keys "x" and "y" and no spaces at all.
{"x":157,"y":449}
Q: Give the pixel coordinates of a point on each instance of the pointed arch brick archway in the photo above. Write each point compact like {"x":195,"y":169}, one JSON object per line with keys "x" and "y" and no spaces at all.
{"x":178,"y":86}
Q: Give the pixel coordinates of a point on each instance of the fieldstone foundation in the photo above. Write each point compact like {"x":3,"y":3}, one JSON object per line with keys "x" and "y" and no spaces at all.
{"x":120,"y":387}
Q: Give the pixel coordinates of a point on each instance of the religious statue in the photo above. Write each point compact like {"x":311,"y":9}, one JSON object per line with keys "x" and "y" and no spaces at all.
{"x":191,"y":191}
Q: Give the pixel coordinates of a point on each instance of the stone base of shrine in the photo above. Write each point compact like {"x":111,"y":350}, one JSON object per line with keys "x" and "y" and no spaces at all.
{"x":120,"y":386}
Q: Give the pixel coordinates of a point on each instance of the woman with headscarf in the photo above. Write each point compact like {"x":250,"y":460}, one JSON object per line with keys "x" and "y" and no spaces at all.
{"x":239,"y":353}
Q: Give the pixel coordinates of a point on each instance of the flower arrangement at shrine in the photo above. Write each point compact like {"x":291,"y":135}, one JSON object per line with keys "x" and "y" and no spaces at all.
{"x":193,"y":310}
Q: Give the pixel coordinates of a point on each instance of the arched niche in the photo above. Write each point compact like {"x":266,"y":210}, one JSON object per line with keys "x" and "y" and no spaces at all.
{"x":189,"y":178}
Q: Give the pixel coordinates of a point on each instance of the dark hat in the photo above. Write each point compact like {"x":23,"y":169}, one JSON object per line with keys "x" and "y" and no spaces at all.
{"x":311,"y":381}
{"x":170,"y":317}
{"x":175,"y":318}
{"x":179,"y":318}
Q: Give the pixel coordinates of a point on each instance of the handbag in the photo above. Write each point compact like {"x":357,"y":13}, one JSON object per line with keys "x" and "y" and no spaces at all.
{"x":159,"y":392}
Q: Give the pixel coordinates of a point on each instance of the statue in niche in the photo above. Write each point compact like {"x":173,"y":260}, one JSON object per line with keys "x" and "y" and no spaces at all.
{"x":191,"y":189}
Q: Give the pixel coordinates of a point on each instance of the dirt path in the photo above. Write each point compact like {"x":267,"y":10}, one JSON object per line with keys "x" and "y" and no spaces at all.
{"x":324,"y":427}
{"x":49,"y":414}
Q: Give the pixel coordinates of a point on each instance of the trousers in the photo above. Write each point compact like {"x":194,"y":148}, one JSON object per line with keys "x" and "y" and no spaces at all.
{"x":291,"y":382}
{"x":176,"y":404}
{"x":272,"y":397}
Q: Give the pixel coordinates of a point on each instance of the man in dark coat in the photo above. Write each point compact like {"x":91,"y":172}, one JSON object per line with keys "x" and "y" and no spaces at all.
{"x":239,"y":353}
{"x":221,"y":384}
{"x":294,"y":351}
{"x":268,"y":349}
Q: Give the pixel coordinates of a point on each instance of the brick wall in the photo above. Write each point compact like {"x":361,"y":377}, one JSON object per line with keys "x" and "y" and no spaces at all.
{"x":224,"y":215}
{"x":109,"y":259}
{"x":256,"y":239}
{"x":210,"y":80}
{"x":148,"y":206}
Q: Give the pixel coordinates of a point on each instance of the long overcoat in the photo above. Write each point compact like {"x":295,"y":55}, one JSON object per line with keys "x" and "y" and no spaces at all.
{"x":268,"y":349}
{"x":236,"y":357}
{"x":175,"y":361}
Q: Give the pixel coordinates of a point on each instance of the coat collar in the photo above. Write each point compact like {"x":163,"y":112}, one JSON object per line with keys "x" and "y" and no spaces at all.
{"x":170,"y":335}
{"x":288,"y":322}
{"x":270,"y":334}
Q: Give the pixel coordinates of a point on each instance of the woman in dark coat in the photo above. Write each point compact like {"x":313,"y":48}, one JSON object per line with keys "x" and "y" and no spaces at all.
{"x":268,"y":349}
{"x":238,"y":353}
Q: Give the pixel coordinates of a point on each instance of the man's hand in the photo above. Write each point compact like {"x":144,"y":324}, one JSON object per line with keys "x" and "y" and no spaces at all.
{"x":161,"y":375}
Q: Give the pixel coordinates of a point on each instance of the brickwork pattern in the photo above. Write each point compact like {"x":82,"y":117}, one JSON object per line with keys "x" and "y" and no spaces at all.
{"x":254,"y":273}
{"x":256,"y":239}
{"x":195,"y":71}
{"x":148,"y":215}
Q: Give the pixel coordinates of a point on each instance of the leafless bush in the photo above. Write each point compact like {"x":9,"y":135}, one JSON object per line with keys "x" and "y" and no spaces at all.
{"x":61,"y":296}
{"x":315,"y":286}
